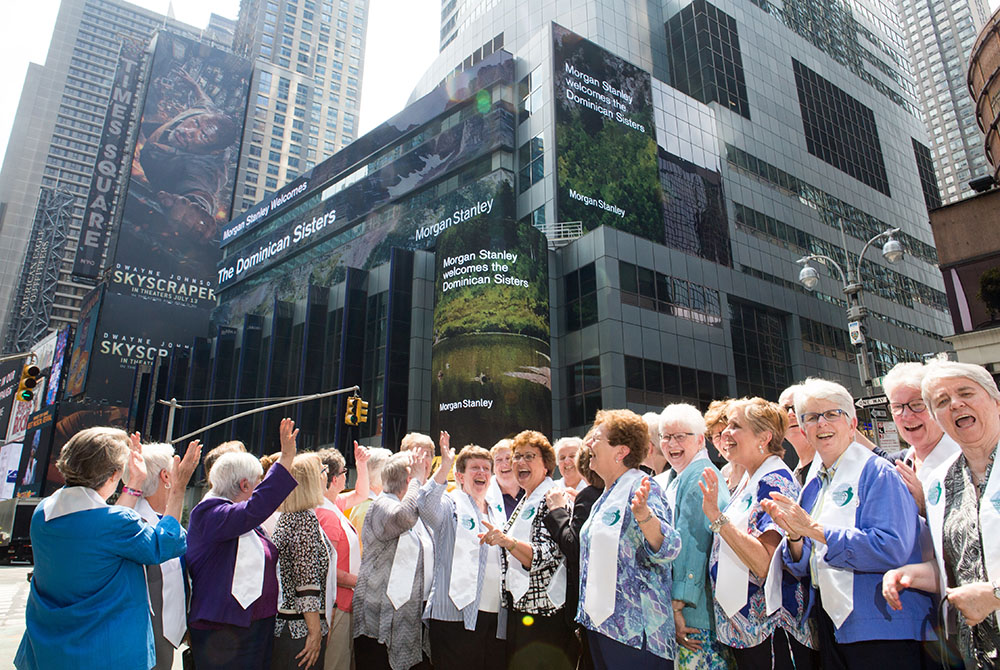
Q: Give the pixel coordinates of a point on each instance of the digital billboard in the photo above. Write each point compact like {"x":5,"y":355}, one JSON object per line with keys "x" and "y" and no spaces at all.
{"x":182,"y":173}
{"x":59,"y":356}
{"x":10,"y":377}
{"x":35,"y":454}
{"x":604,"y":126}
{"x":111,"y":161}
{"x":74,"y":417}
{"x":86,"y":327}
{"x":490,"y":366}
{"x":10,"y":461}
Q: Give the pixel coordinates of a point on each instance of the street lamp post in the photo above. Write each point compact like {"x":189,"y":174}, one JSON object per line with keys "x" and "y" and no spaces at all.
{"x":892,"y":251}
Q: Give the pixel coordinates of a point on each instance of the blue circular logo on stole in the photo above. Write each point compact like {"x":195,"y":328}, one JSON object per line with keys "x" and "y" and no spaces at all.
{"x":529,"y":512}
{"x":611,"y":517}
{"x":934,"y":495}
{"x":842,"y":495}
{"x":469,"y":522}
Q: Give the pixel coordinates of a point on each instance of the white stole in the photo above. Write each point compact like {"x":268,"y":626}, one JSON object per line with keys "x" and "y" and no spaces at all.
{"x":517,"y":577}
{"x":494,"y":498}
{"x":71,"y":499}
{"x":945,"y":451}
{"x":248,"y":570}
{"x":604,"y":525}
{"x":733,"y":577}
{"x":772,"y":587}
{"x":174,"y":600}
{"x":465,"y":554}
{"x":840,"y":500}
{"x":404,"y":563}
{"x":331,"y":575}
{"x":935,"y":495}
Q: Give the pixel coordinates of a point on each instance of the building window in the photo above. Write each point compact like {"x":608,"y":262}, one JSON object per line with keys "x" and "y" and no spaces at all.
{"x":581,"y":297}
{"x":583,"y":391}
{"x":530,"y":159}
{"x":760,"y":349}
{"x":678,"y":297}
{"x":928,"y":181}
{"x":649,"y":382}
{"x":706,"y":62}
{"x":839,"y":129}
{"x":529,"y":95}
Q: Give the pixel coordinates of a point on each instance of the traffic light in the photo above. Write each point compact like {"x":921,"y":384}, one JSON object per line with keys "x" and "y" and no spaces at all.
{"x":351,"y":416}
{"x":361,"y":411}
{"x":29,"y":380}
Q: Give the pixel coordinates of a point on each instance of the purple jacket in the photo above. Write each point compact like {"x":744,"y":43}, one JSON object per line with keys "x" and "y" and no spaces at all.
{"x":213,"y":535}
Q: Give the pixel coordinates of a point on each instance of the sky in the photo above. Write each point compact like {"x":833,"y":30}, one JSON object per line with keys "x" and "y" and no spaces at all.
{"x":388,"y":79}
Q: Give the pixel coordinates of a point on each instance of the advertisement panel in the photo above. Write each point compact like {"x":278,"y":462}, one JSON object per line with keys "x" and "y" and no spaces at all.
{"x":74,"y":417}
{"x":604,"y":126}
{"x":56,"y":368}
{"x":86,"y":328}
{"x":133,"y":332}
{"x":183,"y":169}
{"x":111,"y":162}
{"x":35,"y":454}
{"x":490,"y":366}
{"x":10,"y":377}
{"x":10,"y":459}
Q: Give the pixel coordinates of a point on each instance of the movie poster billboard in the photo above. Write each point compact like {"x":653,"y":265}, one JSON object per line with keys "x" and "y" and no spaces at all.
{"x":133,"y":332}
{"x":74,"y":417}
{"x":10,"y":378}
{"x":490,"y":366}
{"x":59,"y":355}
{"x":35,"y":454}
{"x":86,"y":328}
{"x":10,"y":460}
{"x":183,"y":170}
{"x":111,"y":161}
{"x":604,"y":126}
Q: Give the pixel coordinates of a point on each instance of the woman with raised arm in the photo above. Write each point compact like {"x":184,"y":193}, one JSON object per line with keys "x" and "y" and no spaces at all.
{"x":232,"y":561}
{"x":88,"y":605}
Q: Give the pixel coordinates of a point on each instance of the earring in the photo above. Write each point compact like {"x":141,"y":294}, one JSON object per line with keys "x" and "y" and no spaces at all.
{"x":166,"y":486}
{"x":760,"y":448}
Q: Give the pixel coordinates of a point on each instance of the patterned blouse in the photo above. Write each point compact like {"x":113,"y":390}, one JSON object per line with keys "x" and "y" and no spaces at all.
{"x":303,"y":559}
{"x":962,"y":544}
{"x":545,"y":560}
{"x":752,"y":626}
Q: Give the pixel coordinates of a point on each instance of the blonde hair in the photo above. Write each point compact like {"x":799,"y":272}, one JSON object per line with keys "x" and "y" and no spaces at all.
{"x":308,"y":472}
{"x":715,"y":415}
{"x":763,"y":416}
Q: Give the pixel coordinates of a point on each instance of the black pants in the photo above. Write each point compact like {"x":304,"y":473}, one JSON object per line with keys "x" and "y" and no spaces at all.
{"x":370,"y":654}
{"x":286,"y":648}
{"x":454,"y":648}
{"x":234,"y":647}
{"x":877,"y":654}
{"x":781,"y":651}
{"x":611,"y":654}
{"x":536,"y":642}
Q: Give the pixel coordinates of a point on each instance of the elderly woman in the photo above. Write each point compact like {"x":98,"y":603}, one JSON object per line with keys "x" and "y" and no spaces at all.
{"x":715,"y":423}
{"x":566,"y":448}
{"x":962,"y":510}
{"x":654,"y":463}
{"x":464,"y":602}
{"x":682,"y":441}
{"x":88,"y":605}
{"x":396,"y":571}
{"x":627,"y":542}
{"x":795,"y":437}
{"x":504,"y":488}
{"x":232,"y":562}
{"x":930,"y":447}
{"x":861,"y":521}
{"x":165,"y":582}
{"x":307,"y":561}
{"x":538,"y":635}
{"x":747,"y":537}
{"x":377,"y":456}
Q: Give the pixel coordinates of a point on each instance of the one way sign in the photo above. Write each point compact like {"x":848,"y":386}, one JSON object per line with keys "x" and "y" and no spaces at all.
{"x":872,"y":401}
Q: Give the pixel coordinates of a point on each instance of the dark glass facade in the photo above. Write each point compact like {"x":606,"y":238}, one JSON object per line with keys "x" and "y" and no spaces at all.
{"x":928,"y":180}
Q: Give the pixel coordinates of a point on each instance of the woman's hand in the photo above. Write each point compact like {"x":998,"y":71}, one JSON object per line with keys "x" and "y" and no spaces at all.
{"x":444,"y":440}
{"x":640,"y":508}
{"x":556,"y":497}
{"x":136,"y":463}
{"x":310,"y":652}
{"x":975,"y":601}
{"x":418,"y":465}
{"x":909,"y":477}
{"x":794,"y":520}
{"x":895,"y":582}
{"x":494,"y":537}
{"x":682,"y":630}
{"x":184,"y":468}
{"x":447,"y":459}
{"x":288,"y":432}
{"x":361,"y":455}
{"x":709,"y":486}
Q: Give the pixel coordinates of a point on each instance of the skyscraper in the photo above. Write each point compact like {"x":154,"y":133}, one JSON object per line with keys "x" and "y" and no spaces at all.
{"x":309,"y":58}
{"x":939,"y":36}
{"x":57,"y":129}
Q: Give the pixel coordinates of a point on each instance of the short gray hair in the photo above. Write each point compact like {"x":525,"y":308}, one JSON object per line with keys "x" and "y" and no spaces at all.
{"x":395,"y":472}
{"x":377,"y":456}
{"x":92,"y":456}
{"x":230,"y":470}
{"x":904,"y":374}
{"x":789,"y":395}
{"x":158,"y":457}
{"x":652,"y":420}
{"x":567,"y":442}
{"x":687,"y":415}
{"x":938,"y":370}
{"x":815,"y":388}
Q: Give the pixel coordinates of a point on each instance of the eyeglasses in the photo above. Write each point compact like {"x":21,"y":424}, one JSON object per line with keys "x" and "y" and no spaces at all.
{"x":527,"y":457}
{"x":916,"y":406}
{"x":788,"y":408}
{"x":830,"y":415}
{"x":675,"y":437}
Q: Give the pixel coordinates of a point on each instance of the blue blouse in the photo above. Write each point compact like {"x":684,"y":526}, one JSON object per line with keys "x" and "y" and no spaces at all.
{"x":643,"y":611}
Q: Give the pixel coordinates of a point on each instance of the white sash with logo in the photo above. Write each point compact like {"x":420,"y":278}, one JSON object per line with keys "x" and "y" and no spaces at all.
{"x":935,"y":496}
{"x":840,"y":502}
{"x":331,"y":576}
{"x":465,"y":554}
{"x":604,"y":525}
{"x":772,"y":587}
{"x":733,"y":577}
{"x":494,"y":498}
{"x":352,"y":536}
{"x":517,"y":577}
{"x":174,"y":600}
{"x":946,"y":450}
{"x":404,"y":563}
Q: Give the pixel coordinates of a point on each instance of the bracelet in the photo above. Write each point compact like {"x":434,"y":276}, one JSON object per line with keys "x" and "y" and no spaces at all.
{"x":132,"y":492}
{"x":645,"y":520}
{"x":793,"y":539}
{"x":513,"y":543}
{"x":716,"y":526}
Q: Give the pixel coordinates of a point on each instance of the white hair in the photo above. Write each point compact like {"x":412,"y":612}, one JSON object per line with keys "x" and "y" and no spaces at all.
{"x":788,"y":395}
{"x":815,"y":388}
{"x":377,"y":456}
{"x":563,"y":442}
{"x":230,"y":470}
{"x":158,"y":457}
{"x":652,"y":420}
{"x":395,"y":472}
{"x":937,"y":370}
{"x":904,"y":374}
{"x":687,"y":415}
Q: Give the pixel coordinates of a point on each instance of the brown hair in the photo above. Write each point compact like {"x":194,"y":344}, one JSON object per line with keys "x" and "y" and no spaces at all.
{"x":93,"y":455}
{"x":334,"y":461}
{"x":716,"y":415}
{"x":763,"y":416}
{"x":583,"y":457}
{"x":225,"y":448}
{"x":267,"y":460}
{"x":532,"y":438}
{"x":469,"y":452}
{"x":627,"y":428}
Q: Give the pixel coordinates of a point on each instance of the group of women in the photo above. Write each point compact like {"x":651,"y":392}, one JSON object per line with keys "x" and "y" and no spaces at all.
{"x":840,"y":562}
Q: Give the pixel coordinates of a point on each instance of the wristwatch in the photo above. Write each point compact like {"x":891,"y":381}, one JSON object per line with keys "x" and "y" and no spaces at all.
{"x":996,"y":589}
{"x":717,"y":525}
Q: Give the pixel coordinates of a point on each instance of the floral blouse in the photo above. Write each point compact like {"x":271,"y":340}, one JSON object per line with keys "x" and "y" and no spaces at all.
{"x":545,"y":560}
{"x":751,"y":626}
{"x":303,"y":561}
